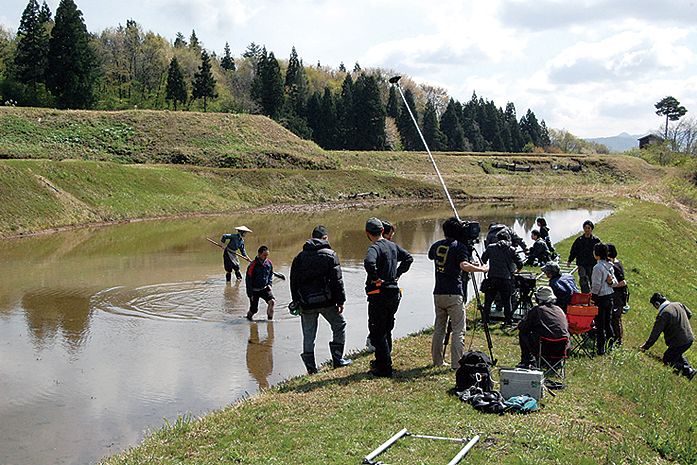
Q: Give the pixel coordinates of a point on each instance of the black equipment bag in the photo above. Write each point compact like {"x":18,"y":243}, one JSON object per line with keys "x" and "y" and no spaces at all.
{"x":475,"y":370}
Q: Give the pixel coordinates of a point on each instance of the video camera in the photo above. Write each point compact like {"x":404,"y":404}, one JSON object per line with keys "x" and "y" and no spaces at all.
{"x":468,"y":232}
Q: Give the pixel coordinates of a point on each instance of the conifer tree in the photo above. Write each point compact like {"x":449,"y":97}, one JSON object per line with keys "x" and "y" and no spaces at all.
{"x":393,"y":103}
{"x":407,"y":131}
{"x":194,"y":43}
{"x":369,"y":114}
{"x":452,"y":129}
{"x":511,"y":121}
{"x":531,"y":129}
{"x":295,"y":85}
{"x":435,"y":139}
{"x":346,"y":124}
{"x":71,"y":61}
{"x":342,"y":67}
{"x":267,"y":88}
{"x":545,"y":140}
{"x":227,"y":62}
{"x":356,"y":68}
{"x":180,"y":41}
{"x":314,"y":107}
{"x":204,"y":82}
{"x":31,"y":56}
{"x":253,"y":51}
{"x":327,"y":133}
{"x":44,"y":13}
{"x":176,"y":87}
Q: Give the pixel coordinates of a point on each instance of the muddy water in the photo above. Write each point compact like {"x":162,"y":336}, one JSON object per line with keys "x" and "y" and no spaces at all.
{"x":105,"y":333}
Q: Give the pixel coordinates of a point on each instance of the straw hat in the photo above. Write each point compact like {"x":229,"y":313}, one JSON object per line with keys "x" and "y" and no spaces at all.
{"x":243,"y":228}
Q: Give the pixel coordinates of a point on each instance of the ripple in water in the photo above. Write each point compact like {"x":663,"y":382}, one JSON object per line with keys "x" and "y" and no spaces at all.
{"x":194,"y":300}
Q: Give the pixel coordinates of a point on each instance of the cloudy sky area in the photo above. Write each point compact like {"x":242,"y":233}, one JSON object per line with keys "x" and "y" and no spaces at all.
{"x":593,"y":67}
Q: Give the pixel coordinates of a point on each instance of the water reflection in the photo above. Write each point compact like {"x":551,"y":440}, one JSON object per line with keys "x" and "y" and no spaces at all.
{"x":260,"y":353}
{"x":105,"y":332}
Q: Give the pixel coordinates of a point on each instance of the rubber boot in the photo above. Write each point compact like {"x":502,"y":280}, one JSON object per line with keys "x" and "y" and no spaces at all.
{"x":238,"y":275}
{"x":337,"y":351}
{"x":309,"y":360}
{"x":228,"y":277}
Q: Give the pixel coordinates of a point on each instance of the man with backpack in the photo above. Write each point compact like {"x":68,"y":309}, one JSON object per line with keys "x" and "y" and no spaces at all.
{"x":317,"y":286}
{"x":384,"y":263}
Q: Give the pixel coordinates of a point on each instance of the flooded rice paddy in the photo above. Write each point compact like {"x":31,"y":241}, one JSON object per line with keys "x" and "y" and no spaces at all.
{"x":107,"y":333}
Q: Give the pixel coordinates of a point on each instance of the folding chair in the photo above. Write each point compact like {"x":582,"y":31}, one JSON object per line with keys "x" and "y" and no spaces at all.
{"x":552,"y":356}
{"x":578,"y":298}
{"x":580,"y":318}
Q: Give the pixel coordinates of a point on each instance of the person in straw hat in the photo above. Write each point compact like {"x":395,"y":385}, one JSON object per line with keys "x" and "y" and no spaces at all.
{"x":235,"y":242}
{"x":544,"y":320}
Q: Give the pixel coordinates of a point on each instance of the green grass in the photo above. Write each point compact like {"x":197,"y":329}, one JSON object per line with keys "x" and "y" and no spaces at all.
{"x":625,"y":407}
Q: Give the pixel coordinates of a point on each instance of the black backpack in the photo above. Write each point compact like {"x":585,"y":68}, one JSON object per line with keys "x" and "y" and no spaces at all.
{"x":475,"y":370}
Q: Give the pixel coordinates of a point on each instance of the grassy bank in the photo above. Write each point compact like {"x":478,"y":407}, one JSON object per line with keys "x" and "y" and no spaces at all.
{"x":143,"y":136}
{"x":622,"y":408}
{"x":42,"y":194}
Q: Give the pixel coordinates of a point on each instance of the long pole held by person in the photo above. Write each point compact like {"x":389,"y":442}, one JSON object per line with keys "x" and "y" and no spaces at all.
{"x":395,"y":81}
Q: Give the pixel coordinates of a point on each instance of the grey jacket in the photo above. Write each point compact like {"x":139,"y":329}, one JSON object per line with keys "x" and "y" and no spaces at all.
{"x":503,"y":260}
{"x":599,"y":284}
{"x":673,"y":320}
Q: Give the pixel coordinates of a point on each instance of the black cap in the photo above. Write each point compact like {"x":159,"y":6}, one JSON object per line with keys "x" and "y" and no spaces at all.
{"x":319,"y":232}
{"x":657,"y":298}
{"x":374,"y":226}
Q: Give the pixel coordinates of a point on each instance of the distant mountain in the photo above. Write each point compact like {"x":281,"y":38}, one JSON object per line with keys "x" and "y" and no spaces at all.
{"x":618,"y":143}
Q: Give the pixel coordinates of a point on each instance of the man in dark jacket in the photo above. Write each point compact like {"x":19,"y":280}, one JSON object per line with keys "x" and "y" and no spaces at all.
{"x":673,"y":320}
{"x":538,"y":253}
{"x":384,"y":263}
{"x":317,"y":286}
{"x":543,"y":320}
{"x":258,"y":282}
{"x":503,"y":262}
{"x":562,"y":284}
{"x":582,"y":252}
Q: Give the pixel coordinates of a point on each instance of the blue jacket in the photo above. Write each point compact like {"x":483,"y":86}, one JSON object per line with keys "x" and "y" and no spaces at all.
{"x":259,"y":275}
{"x":235,"y":242}
{"x":563,"y":286}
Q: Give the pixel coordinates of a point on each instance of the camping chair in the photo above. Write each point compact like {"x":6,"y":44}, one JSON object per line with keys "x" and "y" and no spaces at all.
{"x":578,"y":298}
{"x":580,"y":318}
{"x":552,"y":356}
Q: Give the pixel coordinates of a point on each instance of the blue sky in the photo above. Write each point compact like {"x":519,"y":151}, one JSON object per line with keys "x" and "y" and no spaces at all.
{"x":593,"y":67}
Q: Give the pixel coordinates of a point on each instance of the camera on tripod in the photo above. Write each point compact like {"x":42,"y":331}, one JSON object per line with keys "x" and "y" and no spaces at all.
{"x":468,"y":232}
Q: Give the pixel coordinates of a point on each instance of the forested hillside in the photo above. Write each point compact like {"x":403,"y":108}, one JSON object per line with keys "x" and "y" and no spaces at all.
{"x":53,"y":61}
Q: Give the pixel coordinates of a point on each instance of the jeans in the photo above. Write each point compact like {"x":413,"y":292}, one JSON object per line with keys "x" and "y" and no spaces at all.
{"x":308,"y":320}
{"x":504,"y":287}
{"x":448,"y":306}
{"x":381,"y":311}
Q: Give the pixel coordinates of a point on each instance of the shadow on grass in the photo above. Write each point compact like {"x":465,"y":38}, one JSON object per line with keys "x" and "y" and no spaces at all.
{"x":403,"y":376}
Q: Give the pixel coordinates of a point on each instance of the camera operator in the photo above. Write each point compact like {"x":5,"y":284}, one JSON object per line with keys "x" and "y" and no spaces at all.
{"x":452,"y":258}
{"x":504,"y":262}
{"x":514,"y":239}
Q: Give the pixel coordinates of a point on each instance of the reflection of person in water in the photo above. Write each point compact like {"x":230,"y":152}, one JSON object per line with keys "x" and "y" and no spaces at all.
{"x":260,"y":354}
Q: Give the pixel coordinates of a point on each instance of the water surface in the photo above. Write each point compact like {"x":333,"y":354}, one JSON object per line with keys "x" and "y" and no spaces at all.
{"x":105,"y":333}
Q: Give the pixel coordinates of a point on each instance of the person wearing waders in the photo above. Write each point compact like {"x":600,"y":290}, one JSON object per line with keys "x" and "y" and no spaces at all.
{"x":258,"y":283}
{"x":384,"y":263}
{"x":582,"y":252}
{"x":451,"y":258}
{"x":235,"y":242}
{"x":317,"y":287}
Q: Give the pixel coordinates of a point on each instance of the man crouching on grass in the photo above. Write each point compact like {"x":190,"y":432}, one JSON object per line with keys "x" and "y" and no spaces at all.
{"x":673,"y":320}
{"x":258,"y":281}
